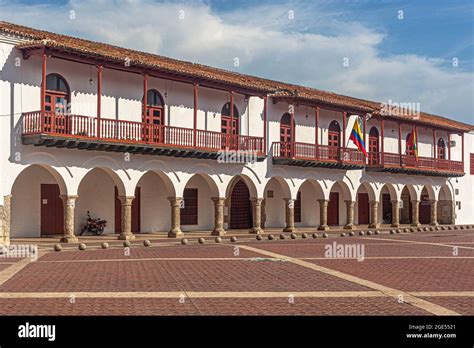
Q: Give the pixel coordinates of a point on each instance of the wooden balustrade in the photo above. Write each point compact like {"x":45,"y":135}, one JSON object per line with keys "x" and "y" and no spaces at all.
{"x":135,"y":132}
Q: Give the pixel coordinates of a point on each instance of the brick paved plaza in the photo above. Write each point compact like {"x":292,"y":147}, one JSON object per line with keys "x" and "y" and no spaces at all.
{"x":420,"y":273}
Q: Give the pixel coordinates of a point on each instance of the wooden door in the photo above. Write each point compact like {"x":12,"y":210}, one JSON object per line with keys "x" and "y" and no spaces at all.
{"x":136,"y":212}
{"x":56,"y":108}
{"x":154,"y":131}
{"x":373,"y":150}
{"x":285,"y":139}
{"x":118,"y":213}
{"x":189,"y":214}
{"x":363,"y":208}
{"x":386,"y":208}
{"x":52,"y":211}
{"x":298,"y":207}
{"x":240,"y":207}
{"x":229,"y":141}
{"x":425,"y":210}
{"x":333,"y":209}
{"x":333,"y":143}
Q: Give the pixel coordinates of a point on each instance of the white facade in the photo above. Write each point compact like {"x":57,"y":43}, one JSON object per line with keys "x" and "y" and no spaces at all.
{"x":93,"y":175}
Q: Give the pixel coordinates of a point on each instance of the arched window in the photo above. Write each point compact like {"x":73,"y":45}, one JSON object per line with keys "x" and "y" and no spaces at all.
{"x":373,"y":146}
{"x":441,"y":149}
{"x":226,"y":122}
{"x":57,"y":94}
{"x":409,"y":148}
{"x":155,"y":108}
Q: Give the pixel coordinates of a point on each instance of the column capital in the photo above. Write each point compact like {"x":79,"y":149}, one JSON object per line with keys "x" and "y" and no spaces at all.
{"x":218,"y":200}
{"x":126,"y":200}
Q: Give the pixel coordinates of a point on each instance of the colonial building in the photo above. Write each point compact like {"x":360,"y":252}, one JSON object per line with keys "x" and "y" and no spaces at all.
{"x":153,"y":144}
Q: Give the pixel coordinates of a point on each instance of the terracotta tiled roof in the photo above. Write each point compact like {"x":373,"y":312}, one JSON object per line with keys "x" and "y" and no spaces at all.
{"x":39,"y":38}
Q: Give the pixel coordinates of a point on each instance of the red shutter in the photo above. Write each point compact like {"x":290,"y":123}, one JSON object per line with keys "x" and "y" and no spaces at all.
{"x":298,"y":207}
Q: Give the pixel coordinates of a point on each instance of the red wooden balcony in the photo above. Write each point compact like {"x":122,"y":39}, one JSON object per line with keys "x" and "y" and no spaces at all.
{"x":65,"y":130}
{"x":313,"y":155}
{"x":393,"y":162}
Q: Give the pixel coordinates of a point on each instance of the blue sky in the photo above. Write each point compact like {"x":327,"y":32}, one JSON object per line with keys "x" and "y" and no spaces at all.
{"x":406,"y":60}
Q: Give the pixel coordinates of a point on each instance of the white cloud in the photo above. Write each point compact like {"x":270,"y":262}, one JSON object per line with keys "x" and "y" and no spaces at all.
{"x":308,"y":49}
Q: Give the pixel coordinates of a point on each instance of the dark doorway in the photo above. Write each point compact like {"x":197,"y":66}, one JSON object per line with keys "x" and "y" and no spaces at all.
{"x":333,"y":209}
{"x":240,"y":207}
{"x":425,"y":210}
{"x":363,"y":208}
{"x":386,"y":209}
{"x":52,"y":211}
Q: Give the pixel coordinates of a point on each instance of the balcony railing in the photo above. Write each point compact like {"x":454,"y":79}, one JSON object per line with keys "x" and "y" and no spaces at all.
{"x":312,"y":152}
{"x":395,"y":160}
{"x":76,"y":126}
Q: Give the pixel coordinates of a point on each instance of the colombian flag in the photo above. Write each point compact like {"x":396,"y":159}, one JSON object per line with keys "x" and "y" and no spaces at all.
{"x":357,"y":137}
{"x":413,"y":141}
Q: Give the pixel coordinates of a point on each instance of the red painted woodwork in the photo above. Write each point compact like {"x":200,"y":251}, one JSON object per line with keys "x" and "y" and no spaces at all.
{"x":285,"y":135}
{"x":316,"y":125}
{"x":136,"y":212}
{"x":363,"y":208}
{"x":195,"y":111}
{"x":449,"y":146}
{"x":441,"y":149}
{"x":129,"y":132}
{"x":265,"y":100}
{"x":240,"y":206}
{"x":312,"y":152}
{"x":386,"y":209}
{"x":382,"y":137}
{"x":373,"y":147}
{"x":334,"y":140}
{"x":189,"y":214}
{"x":52,"y":211}
{"x":333,"y":209}
{"x":297,"y":208}
{"x":56,"y":101}
{"x":409,"y":148}
{"x":425,"y":210}
{"x":99,"y":97}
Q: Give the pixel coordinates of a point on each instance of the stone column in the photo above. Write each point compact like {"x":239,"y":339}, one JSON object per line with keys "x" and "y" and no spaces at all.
{"x":257,"y":215}
{"x":434,"y":212}
{"x":415,"y":213}
{"x":323,"y":215}
{"x":126,"y":233}
{"x":395,"y":214}
{"x":6,"y":224}
{"x":69,"y":204}
{"x":289,"y":215}
{"x":175,"y":231}
{"x":374,"y":214}
{"x":453,"y":213}
{"x":218,"y":216}
{"x":350,"y":215}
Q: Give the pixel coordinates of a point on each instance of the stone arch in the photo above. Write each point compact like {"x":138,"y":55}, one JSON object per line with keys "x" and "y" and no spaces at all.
{"x":276,"y":192}
{"x":339,"y":194}
{"x":364,"y":195}
{"x":37,"y":190}
{"x":387,"y":197}
{"x":98,"y":192}
{"x":445,"y":205}
{"x":151,"y":196}
{"x":198,"y":211}
{"x":310,"y":192}
{"x":240,"y":190}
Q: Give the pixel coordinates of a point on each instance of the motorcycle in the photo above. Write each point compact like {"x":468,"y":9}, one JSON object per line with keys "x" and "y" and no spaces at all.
{"x":95,"y":226}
